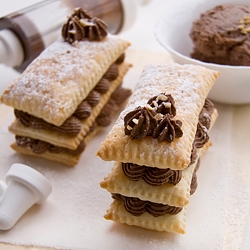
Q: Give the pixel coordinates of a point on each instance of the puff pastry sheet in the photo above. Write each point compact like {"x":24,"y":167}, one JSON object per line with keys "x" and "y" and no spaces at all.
{"x":189,"y":86}
{"x":63,"y":140}
{"x":56,"y":82}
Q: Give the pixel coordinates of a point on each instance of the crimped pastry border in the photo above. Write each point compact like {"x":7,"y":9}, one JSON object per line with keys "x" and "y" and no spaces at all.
{"x":167,"y":223}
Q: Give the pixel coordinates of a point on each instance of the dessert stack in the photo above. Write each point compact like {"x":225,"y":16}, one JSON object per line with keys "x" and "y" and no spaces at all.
{"x":156,"y":144}
{"x":69,"y":91}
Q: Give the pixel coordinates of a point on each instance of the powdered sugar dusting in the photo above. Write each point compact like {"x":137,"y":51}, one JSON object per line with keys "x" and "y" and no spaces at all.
{"x":61,"y":77}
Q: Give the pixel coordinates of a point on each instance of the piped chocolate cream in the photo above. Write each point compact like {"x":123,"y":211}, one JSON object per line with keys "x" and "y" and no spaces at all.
{"x":81,"y":25}
{"x":156,"y":119}
{"x":152,"y":176}
{"x":137,"y":207}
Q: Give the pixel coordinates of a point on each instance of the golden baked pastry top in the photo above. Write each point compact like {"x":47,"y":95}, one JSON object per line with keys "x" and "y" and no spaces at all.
{"x":56,"y":82}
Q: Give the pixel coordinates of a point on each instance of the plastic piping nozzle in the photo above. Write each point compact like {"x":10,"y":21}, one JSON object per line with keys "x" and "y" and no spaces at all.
{"x":24,"y":188}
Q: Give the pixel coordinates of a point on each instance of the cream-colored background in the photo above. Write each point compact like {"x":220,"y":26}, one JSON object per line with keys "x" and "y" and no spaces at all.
{"x":72,"y":217}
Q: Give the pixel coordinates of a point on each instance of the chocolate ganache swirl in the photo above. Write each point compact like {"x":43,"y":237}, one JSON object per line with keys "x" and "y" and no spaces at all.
{"x":102,"y":86}
{"x":93,"y":98}
{"x":81,"y":25}
{"x":83,"y":110}
{"x":120,"y":59}
{"x":155,"y":119}
{"x":140,"y":123}
{"x":168,"y":129}
{"x":112,"y":73}
{"x":137,"y":207}
{"x":119,"y":96}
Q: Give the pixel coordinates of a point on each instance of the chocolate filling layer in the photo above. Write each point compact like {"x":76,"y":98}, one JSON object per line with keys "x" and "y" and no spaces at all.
{"x":152,"y":176}
{"x":40,"y":147}
{"x":137,"y":207}
{"x":104,"y":119}
{"x":194,"y":183}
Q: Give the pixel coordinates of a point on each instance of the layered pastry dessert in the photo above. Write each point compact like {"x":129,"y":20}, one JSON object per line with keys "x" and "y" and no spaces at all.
{"x":222,"y":35}
{"x":69,"y":91}
{"x":156,"y":143}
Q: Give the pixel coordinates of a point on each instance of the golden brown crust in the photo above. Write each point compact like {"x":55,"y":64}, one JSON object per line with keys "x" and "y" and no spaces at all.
{"x":56,"y":82}
{"x":189,"y":86}
{"x":168,"y":223}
